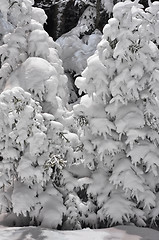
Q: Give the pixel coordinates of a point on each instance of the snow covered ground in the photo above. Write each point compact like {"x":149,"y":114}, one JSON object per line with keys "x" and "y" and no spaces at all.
{"x":115,"y":233}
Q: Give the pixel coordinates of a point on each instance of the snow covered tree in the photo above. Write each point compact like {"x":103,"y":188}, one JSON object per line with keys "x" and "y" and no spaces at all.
{"x":119,"y":117}
{"x":36,"y":143}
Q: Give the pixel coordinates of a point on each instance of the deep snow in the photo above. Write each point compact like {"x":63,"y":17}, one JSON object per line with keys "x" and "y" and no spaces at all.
{"x":115,"y":233}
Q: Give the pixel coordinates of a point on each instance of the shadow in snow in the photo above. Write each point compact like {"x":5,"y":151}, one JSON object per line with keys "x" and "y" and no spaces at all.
{"x":141,"y":232}
{"x":30,"y":233}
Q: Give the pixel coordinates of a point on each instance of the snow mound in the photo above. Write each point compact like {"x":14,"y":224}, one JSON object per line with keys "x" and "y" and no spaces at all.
{"x":35,"y":71}
{"x":35,"y":75}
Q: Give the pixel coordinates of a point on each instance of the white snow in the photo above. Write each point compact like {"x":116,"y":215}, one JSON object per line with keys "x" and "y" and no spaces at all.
{"x":4,"y":8}
{"x":39,"y":15}
{"x":33,"y":74}
{"x":76,"y":51}
{"x":115,"y":233}
{"x":5,"y":27}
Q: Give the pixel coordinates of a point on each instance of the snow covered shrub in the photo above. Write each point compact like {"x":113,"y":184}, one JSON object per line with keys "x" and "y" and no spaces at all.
{"x":119,"y":117}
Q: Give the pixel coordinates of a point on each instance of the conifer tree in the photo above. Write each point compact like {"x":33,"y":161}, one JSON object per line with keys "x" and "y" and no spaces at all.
{"x":119,"y":117}
{"x":36,"y":143}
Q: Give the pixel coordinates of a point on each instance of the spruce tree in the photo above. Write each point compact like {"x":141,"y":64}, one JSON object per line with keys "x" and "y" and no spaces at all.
{"x":119,"y":117}
{"x":36,"y":143}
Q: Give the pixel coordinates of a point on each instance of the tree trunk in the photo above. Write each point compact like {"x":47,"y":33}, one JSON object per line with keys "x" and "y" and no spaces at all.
{"x":98,"y":7}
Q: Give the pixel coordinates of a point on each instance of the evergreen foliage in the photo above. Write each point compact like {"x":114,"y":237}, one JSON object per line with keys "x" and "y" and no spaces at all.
{"x":36,"y":143}
{"x":100,"y":168}
{"x":120,"y":131}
